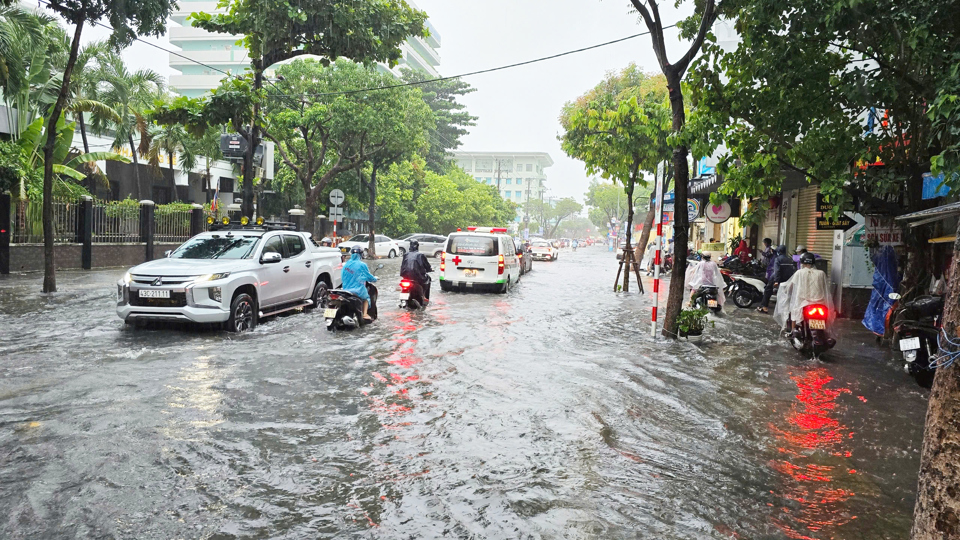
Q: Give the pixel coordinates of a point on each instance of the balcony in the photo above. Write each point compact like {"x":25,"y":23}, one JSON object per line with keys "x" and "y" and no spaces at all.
{"x":195,"y":82}
{"x":426,"y":52}
{"x":189,"y":33}
{"x":235,"y":59}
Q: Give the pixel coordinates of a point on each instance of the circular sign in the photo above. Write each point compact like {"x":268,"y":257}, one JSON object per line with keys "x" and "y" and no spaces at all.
{"x":718,"y":213}
{"x":693,"y":209}
{"x":336,"y":197}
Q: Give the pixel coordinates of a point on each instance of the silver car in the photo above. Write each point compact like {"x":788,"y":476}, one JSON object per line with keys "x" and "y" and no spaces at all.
{"x":430,"y":244}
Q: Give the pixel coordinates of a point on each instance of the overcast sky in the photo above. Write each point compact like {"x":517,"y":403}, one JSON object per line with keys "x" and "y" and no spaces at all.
{"x":518,"y":108}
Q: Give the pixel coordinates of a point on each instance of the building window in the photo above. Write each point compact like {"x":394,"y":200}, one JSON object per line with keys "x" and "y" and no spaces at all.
{"x":519,"y":181}
{"x":509,"y":181}
{"x":478,"y":179}
{"x":529,"y":167}
{"x":488,"y":180}
{"x":519,"y":167}
{"x":517,"y":194}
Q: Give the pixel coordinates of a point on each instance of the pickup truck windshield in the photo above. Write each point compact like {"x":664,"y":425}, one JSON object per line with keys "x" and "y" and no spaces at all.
{"x":216,"y":247}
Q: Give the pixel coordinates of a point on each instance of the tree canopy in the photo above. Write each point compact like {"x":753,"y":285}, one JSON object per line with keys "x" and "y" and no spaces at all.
{"x":451,"y":116}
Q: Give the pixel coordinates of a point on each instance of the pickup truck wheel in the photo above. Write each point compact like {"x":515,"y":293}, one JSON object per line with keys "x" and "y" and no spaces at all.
{"x":243,"y":315}
{"x":320,"y":295}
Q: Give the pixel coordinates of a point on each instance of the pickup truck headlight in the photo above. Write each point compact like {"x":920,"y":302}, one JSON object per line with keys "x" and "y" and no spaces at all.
{"x":213,"y":277}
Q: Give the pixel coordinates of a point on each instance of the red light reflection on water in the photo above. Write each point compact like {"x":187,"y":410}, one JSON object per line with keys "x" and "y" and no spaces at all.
{"x":812,"y":460}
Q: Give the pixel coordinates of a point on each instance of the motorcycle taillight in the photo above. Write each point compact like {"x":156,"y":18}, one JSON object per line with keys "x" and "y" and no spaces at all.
{"x":816,"y":311}
{"x":405,"y":285}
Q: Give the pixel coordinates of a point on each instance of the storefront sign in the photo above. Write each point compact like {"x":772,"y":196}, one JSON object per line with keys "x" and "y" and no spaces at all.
{"x":823,"y":206}
{"x":882,"y":230}
{"x":693,"y":209}
{"x":841,"y":223}
{"x":718,"y":213}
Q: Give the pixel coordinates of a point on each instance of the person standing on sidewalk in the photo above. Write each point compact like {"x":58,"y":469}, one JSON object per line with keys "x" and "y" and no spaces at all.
{"x":783,"y":269}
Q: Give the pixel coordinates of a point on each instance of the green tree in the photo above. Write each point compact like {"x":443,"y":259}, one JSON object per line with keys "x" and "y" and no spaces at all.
{"x":619,"y":129}
{"x":332,"y":132}
{"x":696,"y":29}
{"x":451,"y":116}
{"x":563,"y":209}
{"x":130,"y":96}
{"x":128,"y":20}
{"x":279,"y":30}
{"x":607,"y":203}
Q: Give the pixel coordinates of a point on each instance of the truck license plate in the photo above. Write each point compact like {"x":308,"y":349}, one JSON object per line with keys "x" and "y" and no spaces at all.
{"x":817,"y":324}
{"x":330,"y":313}
{"x":146,"y":293}
{"x":711,"y":303}
{"x":910,"y":344}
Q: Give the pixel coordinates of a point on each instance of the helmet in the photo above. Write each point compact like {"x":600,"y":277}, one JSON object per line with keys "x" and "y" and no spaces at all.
{"x":414,"y":245}
{"x":807,"y":258}
{"x":356,"y":249}
{"x":706,"y":256}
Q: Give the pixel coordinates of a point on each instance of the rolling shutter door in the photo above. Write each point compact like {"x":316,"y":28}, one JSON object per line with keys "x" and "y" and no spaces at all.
{"x":819,"y":242}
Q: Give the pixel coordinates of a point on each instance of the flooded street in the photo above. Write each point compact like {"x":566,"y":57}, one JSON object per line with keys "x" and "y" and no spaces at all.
{"x":547,"y":412}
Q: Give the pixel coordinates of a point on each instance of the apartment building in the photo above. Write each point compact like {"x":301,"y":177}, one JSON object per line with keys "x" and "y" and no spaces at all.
{"x":519,"y":176}
{"x":220,"y":52}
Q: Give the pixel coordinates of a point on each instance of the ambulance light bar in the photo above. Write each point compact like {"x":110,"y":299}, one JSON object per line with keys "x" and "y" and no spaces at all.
{"x":487,"y":229}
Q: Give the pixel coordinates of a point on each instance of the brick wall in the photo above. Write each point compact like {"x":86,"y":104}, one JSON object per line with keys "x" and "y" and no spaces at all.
{"x":29,"y":257}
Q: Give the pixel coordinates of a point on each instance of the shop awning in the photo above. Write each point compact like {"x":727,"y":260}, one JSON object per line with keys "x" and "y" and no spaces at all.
{"x":942,"y":239}
{"x":931,"y":214}
{"x":704,"y":185}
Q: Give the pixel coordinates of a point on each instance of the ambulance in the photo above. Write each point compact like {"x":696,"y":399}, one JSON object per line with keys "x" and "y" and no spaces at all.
{"x":480,"y":258}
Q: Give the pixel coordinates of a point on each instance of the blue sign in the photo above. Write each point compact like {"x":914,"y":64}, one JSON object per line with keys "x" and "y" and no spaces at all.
{"x":934,"y":187}
{"x":703,"y":169}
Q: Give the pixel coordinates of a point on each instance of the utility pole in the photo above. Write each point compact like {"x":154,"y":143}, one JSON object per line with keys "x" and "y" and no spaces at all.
{"x":498,"y":176}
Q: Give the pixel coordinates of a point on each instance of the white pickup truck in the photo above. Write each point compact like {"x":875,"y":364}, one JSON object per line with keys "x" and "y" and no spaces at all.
{"x":232,"y":276}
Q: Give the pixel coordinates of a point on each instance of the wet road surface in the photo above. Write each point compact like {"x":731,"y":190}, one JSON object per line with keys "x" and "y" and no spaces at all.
{"x":547,"y":412}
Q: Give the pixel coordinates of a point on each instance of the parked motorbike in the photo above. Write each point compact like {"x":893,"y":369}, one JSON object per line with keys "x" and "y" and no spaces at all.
{"x":344,"y":309}
{"x":745,"y":290}
{"x":810,"y":334}
{"x":412,"y":295}
{"x":707,"y":296}
{"x":916,"y":326}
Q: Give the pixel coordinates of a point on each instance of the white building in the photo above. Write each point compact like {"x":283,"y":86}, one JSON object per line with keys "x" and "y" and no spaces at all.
{"x":220,"y":52}
{"x":519,"y":176}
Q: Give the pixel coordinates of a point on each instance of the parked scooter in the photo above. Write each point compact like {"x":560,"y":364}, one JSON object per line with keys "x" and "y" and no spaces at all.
{"x":707,"y":296}
{"x":411,"y":294}
{"x":810,"y":334}
{"x":344,"y":309}
{"x":745,"y":290}
{"x":916,"y":326}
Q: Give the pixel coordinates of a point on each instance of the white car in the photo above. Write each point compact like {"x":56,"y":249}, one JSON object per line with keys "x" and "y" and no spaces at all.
{"x":386,"y":247}
{"x":482,"y":258}
{"x":544,"y":251}
{"x":233,"y":276}
{"x":431,"y":245}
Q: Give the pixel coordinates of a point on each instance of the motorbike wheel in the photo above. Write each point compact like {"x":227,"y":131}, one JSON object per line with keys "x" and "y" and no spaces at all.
{"x":743,"y":299}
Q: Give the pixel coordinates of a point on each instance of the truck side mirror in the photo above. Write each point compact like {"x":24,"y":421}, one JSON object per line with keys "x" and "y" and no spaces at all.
{"x":270,"y":258}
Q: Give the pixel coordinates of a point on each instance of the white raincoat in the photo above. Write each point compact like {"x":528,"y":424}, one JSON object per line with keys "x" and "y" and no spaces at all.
{"x":706,"y":273}
{"x":807,"y":286}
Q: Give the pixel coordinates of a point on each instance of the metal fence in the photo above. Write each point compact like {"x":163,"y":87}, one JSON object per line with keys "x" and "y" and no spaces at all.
{"x":116,"y":222}
{"x":172,"y":224}
{"x":28,"y":222}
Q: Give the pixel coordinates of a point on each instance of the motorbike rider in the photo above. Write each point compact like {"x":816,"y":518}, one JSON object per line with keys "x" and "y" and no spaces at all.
{"x":355,"y":277}
{"x":807,"y":286}
{"x":415,"y":267}
{"x":782,"y":269}
{"x":705,"y":274}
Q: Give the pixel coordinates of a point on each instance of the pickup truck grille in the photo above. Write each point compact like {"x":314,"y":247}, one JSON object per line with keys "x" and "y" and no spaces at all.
{"x":177,"y":299}
{"x":165,"y":280}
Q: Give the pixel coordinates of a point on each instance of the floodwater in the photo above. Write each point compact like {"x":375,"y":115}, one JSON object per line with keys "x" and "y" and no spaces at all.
{"x":547,"y":412}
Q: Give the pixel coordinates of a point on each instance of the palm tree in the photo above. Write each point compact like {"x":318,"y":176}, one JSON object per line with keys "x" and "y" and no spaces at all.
{"x":85,"y":88}
{"x":129,"y":95}
{"x":171,"y":140}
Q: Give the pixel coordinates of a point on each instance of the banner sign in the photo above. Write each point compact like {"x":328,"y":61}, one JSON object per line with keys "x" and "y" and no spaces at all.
{"x":823,"y":206}
{"x":884,"y":230}
{"x":718,"y":213}
{"x":693,"y":209}
{"x":842,"y":223}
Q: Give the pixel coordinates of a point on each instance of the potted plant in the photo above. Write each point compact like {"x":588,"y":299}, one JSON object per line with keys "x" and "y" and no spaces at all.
{"x":691,"y":322}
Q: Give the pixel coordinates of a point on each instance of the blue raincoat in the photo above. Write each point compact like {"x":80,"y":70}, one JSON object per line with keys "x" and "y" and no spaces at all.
{"x":885,"y":281}
{"x":356,"y":275}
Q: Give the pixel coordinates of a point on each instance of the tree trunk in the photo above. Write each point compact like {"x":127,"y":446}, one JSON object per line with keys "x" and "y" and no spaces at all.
{"x":648,"y":225}
{"x":680,"y":221}
{"x":626,"y":267}
{"x":310,"y":202}
{"x":937,"y":512}
{"x":136,"y":167}
{"x":247,"y":206}
{"x":49,"y":261}
{"x":173,"y":178}
{"x":88,"y":182}
{"x":372,"y":210}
